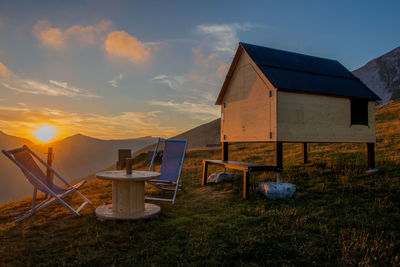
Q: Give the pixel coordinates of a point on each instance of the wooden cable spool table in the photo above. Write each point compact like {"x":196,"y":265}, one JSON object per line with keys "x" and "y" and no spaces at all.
{"x":128,"y":196}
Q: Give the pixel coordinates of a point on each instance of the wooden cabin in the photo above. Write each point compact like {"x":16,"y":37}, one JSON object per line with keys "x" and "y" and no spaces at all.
{"x":271,"y":95}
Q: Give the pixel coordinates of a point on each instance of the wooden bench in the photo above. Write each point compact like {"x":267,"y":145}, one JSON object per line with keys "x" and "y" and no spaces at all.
{"x":247,"y":168}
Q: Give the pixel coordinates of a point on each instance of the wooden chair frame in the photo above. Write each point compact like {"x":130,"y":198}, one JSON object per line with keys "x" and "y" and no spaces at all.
{"x":52,"y":196}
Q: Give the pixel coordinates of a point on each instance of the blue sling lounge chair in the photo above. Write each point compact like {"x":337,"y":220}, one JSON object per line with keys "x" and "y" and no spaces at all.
{"x":171,"y":167}
{"x":22,"y":157}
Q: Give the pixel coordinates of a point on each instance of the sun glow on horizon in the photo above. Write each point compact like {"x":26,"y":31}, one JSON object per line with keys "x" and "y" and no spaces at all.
{"x":45,"y":133}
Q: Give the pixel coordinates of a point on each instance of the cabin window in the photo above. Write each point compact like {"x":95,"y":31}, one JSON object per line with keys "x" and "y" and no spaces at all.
{"x":359,"y":111}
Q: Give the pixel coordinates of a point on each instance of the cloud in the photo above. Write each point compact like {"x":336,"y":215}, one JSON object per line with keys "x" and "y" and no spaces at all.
{"x":204,"y":61}
{"x":121,"y":125}
{"x":174,"y":83}
{"x":48,"y":35}
{"x":223,"y":37}
{"x":205,"y":79}
{"x":203,"y":82}
{"x":162,"y":78}
{"x":119,"y":44}
{"x":56,"y":37}
{"x":52,"y":88}
{"x":4,"y":71}
{"x":114,"y":82}
{"x":211,"y":59}
{"x":88,"y":34}
{"x":196,"y":110}
{"x":123,"y":45}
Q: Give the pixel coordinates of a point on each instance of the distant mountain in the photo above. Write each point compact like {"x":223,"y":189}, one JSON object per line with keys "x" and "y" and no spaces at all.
{"x":74,"y":157}
{"x":79,"y":156}
{"x":382,"y":75}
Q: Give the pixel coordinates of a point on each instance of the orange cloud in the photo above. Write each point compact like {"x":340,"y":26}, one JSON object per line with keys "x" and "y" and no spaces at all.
{"x":4,"y":71}
{"x":88,"y":34}
{"x":56,"y":37}
{"x":48,"y":35}
{"x":124,"y":45}
{"x":204,"y":61}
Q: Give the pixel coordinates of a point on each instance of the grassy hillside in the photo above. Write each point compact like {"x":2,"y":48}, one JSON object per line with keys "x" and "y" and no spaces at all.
{"x":203,"y":135}
{"x":339,"y":215}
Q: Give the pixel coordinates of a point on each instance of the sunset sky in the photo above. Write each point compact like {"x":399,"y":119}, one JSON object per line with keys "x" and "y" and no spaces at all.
{"x":125,"y":69}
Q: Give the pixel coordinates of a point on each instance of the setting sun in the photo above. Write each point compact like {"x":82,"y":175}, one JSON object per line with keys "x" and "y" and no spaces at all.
{"x":45,"y":133}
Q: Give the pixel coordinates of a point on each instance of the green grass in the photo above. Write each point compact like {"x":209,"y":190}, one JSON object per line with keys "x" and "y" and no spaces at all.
{"x":338,"y":216}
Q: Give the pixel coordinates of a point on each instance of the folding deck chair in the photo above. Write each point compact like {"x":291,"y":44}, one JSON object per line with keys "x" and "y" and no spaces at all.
{"x":171,"y":167}
{"x":22,"y":157}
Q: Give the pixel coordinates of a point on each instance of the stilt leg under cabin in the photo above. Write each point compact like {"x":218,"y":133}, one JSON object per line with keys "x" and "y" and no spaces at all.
{"x":371,"y":155}
{"x":225,"y":151}
{"x":278,"y":155}
{"x":305,"y":153}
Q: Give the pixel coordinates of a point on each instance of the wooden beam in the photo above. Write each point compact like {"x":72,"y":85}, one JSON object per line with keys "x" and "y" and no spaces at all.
{"x":205,"y":168}
{"x":49,"y":162}
{"x":278,"y":155}
{"x":225,"y":151}
{"x":371,"y":155}
{"x":246,"y":185}
{"x":49,"y":173}
{"x":305,"y":153}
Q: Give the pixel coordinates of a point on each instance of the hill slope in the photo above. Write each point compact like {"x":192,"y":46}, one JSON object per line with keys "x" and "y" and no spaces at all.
{"x":203,"y":135}
{"x":382,"y":75}
{"x":339,"y":215}
{"x":198,"y":137}
{"x":74,"y":157}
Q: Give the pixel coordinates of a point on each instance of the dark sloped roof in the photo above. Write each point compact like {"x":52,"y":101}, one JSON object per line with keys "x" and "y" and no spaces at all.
{"x":297,"y":72}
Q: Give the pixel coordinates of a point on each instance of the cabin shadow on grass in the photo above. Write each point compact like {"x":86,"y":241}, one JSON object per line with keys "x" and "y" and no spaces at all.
{"x":338,"y":216}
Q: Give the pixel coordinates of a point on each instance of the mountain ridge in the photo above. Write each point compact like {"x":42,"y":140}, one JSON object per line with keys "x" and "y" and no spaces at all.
{"x":78,"y":156}
{"x":382,"y":75}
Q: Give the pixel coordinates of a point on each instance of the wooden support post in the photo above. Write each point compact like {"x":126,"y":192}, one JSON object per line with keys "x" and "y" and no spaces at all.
{"x":246,"y":185}
{"x":123,"y":154}
{"x":278,"y":155}
{"x":129,"y":163}
{"x":50,"y":157}
{"x":305,"y":153}
{"x":49,"y":162}
{"x":225,"y":151}
{"x":205,"y":167}
{"x":371,"y":155}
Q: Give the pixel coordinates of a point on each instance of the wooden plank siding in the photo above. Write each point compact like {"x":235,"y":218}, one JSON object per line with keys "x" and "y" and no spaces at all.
{"x":248,"y":113}
{"x":319,"y":118}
